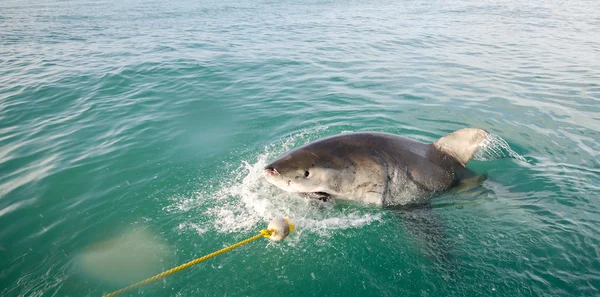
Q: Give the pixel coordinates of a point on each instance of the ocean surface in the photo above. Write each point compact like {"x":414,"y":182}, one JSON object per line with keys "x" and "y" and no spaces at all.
{"x":133,"y":136}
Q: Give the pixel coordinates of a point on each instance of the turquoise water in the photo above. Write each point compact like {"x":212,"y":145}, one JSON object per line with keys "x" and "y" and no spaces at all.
{"x":137,"y":131}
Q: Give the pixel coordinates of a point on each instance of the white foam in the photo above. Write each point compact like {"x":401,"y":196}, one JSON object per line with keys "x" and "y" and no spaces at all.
{"x":192,"y":226}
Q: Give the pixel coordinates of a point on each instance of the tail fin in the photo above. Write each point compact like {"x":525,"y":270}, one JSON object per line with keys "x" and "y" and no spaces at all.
{"x":462,"y":144}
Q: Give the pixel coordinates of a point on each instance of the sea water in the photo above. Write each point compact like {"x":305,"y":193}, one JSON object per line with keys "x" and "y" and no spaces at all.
{"x":133,"y":136}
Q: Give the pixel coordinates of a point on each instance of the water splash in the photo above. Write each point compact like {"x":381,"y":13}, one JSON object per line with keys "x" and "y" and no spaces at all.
{"x":244,"y":201}
{"x":494,"y":147}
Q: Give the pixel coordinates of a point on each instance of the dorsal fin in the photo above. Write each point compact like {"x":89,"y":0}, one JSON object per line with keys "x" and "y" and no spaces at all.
{"x":462,"y":144}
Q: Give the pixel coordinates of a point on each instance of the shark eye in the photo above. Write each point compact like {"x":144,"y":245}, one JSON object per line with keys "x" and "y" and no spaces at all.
{"x":306,"y":173}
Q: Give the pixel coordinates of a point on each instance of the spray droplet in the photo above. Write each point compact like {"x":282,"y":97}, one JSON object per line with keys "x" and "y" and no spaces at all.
{"x":494,"y":147}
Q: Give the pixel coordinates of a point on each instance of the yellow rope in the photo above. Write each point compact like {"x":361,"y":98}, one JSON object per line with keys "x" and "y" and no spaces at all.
{"x":263,"y":233}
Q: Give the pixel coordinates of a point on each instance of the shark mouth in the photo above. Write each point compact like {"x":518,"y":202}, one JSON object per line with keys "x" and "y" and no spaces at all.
{"x":317,"y":195}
